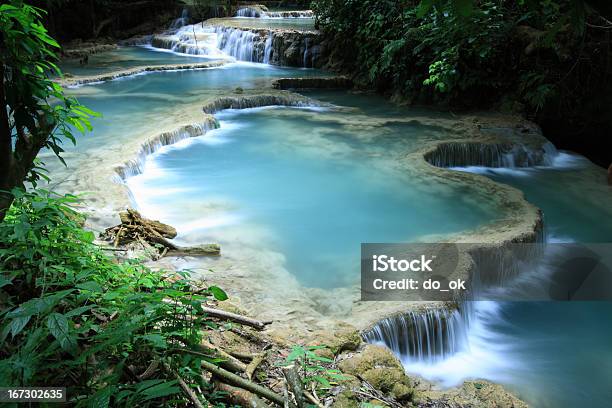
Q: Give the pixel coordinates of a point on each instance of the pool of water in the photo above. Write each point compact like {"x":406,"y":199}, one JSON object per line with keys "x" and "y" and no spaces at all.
{"x":318,"y":182}
{"x":552,"y":354}
{"x":124,"y":58}
{"x":133,"y":104}
{"x":313,"y":184}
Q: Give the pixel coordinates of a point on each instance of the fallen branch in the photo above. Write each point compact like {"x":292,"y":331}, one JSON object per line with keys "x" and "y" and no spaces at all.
{"x":238,"y":381}
{"x":247,"y":321}
{"x":229,"y":365}
{"x":188,"y":391}
{"x":294,"y":382}
{"x":231,"y":362}
{"x":252,"y":366}
{"x":149,"y":371}
{"x":313,"y":400}
{"x":242,"y":356}
{"x":241,"y":397}
{"x":135,"y":228}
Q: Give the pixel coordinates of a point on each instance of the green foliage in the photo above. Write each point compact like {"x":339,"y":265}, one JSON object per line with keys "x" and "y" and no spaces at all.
{"x":471,"y":53}
{"x":75,"y":318}
{"x":315,"y":369}
{"x":38,"y":114}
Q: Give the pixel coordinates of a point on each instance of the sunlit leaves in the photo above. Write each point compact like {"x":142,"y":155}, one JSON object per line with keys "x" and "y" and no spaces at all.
{"x":37,"y":106}
{"x":66,"y":305}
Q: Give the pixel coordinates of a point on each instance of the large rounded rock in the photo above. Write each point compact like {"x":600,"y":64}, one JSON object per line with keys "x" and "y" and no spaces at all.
{"x":378,"y":366}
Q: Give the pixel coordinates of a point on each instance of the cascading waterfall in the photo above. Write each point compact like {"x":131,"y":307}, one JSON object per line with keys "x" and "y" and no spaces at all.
{"x":428,"y":336}
{"x":306,"y":52}
{"x":134,"y":167}
{"x":183,"y":20}
{"x":508,"y":155}
{"x":437,"y":334}
{"x":252,"y":12}
{"x":240,"y":44}
{"x":268,"y":49}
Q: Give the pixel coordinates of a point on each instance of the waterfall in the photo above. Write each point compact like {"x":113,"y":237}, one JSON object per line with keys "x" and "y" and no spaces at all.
{"x":134,"y":166}
{"x":252,"y":12}
{"x":267,"y":46}
{"x":181,"y":21}
{"x":240,"y":44}
{"x":248,"y":12}
{"x":458,"y":154}
{"x":268,"y":49}
{"x":426,"y":336}
{"x":306,"y":43}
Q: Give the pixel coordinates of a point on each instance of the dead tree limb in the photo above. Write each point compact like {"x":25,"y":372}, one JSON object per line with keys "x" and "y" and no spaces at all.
{"x":294,"y":383}
{"x":247,"y":321}
{"x":252,"y":366}
{"x":241,"y":397}
{"x":238,"y":381}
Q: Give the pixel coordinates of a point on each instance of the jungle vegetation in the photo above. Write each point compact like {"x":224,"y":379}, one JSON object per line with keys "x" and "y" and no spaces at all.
{"x":547,"y":59}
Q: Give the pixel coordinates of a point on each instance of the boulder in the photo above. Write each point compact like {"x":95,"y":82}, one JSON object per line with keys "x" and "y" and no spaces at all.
{"x":379,"y":367}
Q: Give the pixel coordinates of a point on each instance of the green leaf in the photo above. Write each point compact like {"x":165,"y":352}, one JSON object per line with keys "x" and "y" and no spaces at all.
{"x":90,"y":286}
{"x":59,"y":328}
{"x":161,"y":390}
{"x":218,"y":293}
{"x":101,"y":399}
{"x":464,"y":7}
{"x":18,"y":324}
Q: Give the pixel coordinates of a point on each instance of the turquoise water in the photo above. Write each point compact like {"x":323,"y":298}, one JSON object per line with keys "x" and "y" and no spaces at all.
{"x":313,"y":184}
{"x":553,"y":354}
{"x":133,"y":103}
{"x":318,"y":184}
{"x":124,"y":58}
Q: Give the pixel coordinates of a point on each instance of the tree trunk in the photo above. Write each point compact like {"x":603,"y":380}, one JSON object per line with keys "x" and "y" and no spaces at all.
{"x":6,"y":153}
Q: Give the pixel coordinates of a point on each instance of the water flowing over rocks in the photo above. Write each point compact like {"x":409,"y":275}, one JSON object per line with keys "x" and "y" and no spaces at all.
{"x":261,"y":11}
{"x":83,"y":80}
{"x":425,"y":336}
{"x":276,"y":46}
{"x":134,"y":166}
{"x":254,"y":101}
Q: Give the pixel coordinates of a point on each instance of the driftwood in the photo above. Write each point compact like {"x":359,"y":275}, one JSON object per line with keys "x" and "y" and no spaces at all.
{"x":151,"y":234}
{"x":241,"y":355}
{"x":238,"y":381}
{"x":241,"y":397}
{"x":247,"y":321}
{"x":294,"y":383}
{"x":252,"y":366}
{"x":230,"y":362}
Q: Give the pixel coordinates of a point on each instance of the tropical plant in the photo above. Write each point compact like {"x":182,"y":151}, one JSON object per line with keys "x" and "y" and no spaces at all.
{"x":35,"y":113}
{"x":315,"y":369}
{"x":114,"y":333}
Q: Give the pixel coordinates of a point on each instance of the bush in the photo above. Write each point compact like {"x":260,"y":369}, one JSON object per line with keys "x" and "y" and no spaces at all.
{"x":73,"y":317}
{"x":548,"y":58}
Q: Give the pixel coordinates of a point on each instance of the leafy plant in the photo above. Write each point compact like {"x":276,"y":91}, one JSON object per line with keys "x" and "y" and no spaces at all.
{"x":35,"y":114}
{"x":315,"y":369}
{"x":75,"y":318}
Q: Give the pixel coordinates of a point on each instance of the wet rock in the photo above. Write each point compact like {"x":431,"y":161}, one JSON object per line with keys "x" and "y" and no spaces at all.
{"x":610,"y":175}
{"x":379,"y":367}
{"x":313,"y":82}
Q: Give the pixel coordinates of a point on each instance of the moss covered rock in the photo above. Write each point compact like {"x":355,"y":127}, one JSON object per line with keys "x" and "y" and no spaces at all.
{"x":378,"y":366}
